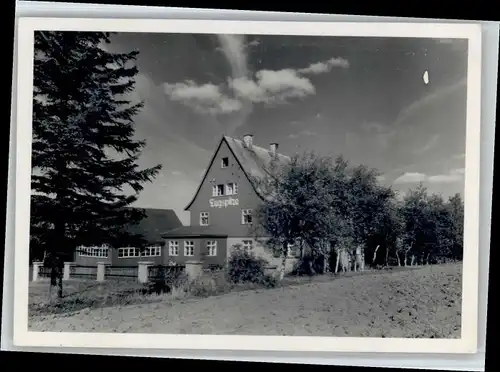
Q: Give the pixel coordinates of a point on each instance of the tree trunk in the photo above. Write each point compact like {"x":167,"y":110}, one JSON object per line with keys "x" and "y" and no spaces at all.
{"x":337,"y":261}
{"x":360,"y":258}
{"x":405,"y":259}
{"x":412,"y":262}
{"x":399,"y":259}
{"x":386,"y":263}
{"x":50,"y":293}
{"x":327,"y":256}
{"x":60,"y":286}
{"x":344,"y":260}
{"x":283,"y":262}
{"x":374,"y":260}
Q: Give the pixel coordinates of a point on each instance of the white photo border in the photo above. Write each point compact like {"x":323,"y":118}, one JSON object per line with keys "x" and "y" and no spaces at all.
{"x":466,"y":344}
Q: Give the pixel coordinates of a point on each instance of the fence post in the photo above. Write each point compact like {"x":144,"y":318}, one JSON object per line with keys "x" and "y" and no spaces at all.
{"x":101,"y":271}
{"x":143,"y":271}
{"x":67,"y":270}
{"x":194,"y":269}
{"x":36,"y":270}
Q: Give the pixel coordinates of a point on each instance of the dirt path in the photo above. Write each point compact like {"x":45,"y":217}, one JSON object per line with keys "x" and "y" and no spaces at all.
{"x":416,"y":303}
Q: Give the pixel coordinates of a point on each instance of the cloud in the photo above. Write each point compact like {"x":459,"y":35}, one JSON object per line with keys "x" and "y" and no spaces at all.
{"x":233,"y":47}
{"x":381,"y":178}
{"x":270,"y":87}
{"x":231,"y":43}
{"x":206,"y":98}
{"x":375,"y":127}
{"x":303,"y":133}
{"x":429,"y":99}
{"x":253,"y":43}
{"x":411,"y":177}
{"x":176,"y":173}
{"x":377,"y":137}
{"x":444,"y":178}
{"x":454,"y":175}
{"x":429,"y":145}
{"x":323,"y":67}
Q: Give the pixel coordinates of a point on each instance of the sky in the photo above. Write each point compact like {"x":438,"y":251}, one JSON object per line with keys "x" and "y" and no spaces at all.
{"x":361,"y":97}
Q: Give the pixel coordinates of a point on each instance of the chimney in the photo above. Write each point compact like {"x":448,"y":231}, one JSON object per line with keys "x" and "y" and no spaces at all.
{"x":248,"y":140}
{"x":273,"y":148}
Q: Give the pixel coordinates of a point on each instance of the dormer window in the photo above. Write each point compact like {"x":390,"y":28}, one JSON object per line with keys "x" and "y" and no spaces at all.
{"x":224,"y":163}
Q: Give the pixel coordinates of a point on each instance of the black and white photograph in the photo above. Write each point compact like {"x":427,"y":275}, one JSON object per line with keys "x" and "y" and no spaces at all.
{"x":250,"y":183}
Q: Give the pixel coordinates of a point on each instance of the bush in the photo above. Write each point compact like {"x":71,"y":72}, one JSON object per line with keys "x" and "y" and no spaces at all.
{"x":166,"y":279}
{"x":245,"y":268}
{"x":211,"y":283}
{"x":268,"y":281}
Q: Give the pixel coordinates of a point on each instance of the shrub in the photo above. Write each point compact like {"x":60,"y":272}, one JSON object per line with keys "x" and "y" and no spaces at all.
{"x":165,"y":279}
{"x":268,"y":281}
{"x":211,"y":283}
{"x":245,"y":268}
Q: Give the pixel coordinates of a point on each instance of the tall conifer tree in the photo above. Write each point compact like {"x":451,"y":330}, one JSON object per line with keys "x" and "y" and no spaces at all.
{"x":84,"y":153}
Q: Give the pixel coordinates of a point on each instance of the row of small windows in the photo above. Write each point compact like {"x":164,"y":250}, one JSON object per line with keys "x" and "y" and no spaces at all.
{"x":246,"y":217}
{"x":221,"y":190}
{"x":99,"y":252}
{"x":103,"y":252}
{"x":173,"y":248}
{"x":154,"y":251}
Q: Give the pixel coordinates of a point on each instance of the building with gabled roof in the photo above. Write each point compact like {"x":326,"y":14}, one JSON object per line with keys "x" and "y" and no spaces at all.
{"x":150,"y":227}
{"x":221,"y":209}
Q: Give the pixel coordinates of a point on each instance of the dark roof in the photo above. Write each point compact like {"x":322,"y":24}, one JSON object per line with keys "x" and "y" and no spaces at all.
{"x":252,"y":160}
{"x":155,"y":222}
{"x":212,"y":231}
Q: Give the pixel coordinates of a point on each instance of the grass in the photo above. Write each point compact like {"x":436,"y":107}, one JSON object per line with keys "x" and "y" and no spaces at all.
{"x":82,"y":294}
{"x":423,"y":302}
{"x":87,"y":294}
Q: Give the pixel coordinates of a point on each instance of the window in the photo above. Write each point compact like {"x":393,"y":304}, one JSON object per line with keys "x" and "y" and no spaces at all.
{"x":129,"y":252}
{"x":224,"y":163}
{"x":188,"y":248}
{"x":248,"y":246}
{"x":212,"y":247}
{"x":153,"y":251}
{"x":173,"y":248}
{"x":246,"y":216}
{"x":218,"y":190}
{"x":231,"y":188}
{"x":204,"y":220}
{"x":97,"y":252}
